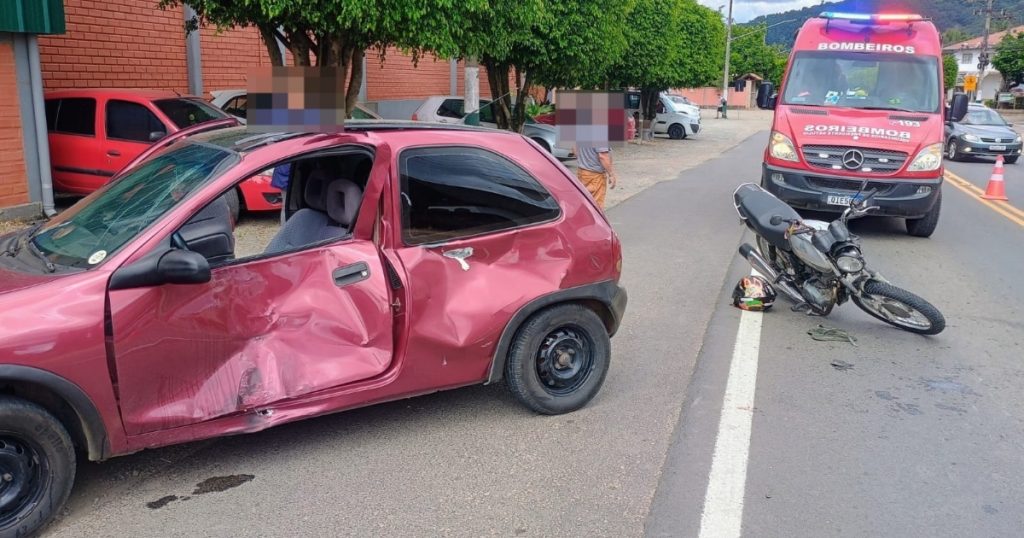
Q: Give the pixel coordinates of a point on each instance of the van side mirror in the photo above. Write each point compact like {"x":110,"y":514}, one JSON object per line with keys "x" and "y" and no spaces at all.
{"x":170,"y":266}
{"x":957,"y":107}
{"x":765,"y":99}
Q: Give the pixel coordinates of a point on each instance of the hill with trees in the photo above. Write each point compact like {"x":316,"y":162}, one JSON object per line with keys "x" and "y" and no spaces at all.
{"x":946,"y":14}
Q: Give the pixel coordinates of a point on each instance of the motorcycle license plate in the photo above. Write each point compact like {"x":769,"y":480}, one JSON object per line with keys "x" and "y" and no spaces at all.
{"x":838,"y":199}
{"x":997,"y":148}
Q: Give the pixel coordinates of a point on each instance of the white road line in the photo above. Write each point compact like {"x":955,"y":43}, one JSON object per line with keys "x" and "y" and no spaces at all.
{"x":723,"y":502}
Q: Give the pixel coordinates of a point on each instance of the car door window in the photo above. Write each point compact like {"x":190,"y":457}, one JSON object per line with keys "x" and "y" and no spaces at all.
{"x":455,"y":192}
{"x":76,"y":116}
{"x":487,"y":112}
{"x":132,"y":121}
{"x":451,"y":108}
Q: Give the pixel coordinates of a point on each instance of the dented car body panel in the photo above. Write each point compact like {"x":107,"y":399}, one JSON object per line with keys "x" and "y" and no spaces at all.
{"x":344,"y":323}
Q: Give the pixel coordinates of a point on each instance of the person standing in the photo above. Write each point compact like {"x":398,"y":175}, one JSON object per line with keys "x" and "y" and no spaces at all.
{"x":594,"y":170}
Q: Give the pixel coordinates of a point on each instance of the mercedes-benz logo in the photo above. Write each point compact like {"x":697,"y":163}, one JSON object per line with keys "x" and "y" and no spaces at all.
{"x":853,"y":159}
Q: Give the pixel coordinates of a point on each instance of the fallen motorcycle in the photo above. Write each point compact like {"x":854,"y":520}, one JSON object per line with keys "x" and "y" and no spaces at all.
{"x":820,"y":265}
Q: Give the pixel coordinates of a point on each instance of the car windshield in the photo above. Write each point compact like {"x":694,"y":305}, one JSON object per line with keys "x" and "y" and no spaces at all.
{"x":864,"y":80}
{"x":982,"y":116}
{"x":188,"y":112}
{"x":104,"y":221}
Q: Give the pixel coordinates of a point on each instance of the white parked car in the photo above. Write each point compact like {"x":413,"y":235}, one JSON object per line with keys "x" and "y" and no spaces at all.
{"x":451,"y":109}
{"x":235,"y":102}
{"x":678,"y":118}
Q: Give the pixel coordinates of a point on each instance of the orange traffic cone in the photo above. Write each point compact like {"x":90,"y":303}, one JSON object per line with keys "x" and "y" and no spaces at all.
{"x":996,"y":189}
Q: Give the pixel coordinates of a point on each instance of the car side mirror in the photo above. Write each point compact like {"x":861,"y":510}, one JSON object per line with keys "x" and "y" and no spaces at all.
{"x":156,"y":135}
{"x":765,"y":99}
{"x":170,"y":266}
{"x":957,"y":107}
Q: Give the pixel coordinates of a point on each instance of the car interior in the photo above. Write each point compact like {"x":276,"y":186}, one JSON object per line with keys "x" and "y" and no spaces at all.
{"x":324,"y":194}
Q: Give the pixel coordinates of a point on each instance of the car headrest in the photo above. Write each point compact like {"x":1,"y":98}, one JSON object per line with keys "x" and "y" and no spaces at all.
{"x":316,"y":190}
{"x":343,"y":197}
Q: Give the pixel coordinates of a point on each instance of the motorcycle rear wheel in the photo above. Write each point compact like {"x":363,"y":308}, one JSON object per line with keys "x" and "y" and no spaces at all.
{"x":900,"y":308}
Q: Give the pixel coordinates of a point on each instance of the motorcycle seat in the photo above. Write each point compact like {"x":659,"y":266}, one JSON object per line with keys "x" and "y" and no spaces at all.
{"x":758,"y":206}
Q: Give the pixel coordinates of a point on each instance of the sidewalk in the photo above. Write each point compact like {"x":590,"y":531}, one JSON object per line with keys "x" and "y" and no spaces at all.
{"x":640,"y":166}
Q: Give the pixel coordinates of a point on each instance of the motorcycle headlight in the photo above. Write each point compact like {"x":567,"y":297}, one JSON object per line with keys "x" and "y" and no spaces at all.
{"x":930,"y":158}
{"x":971,"y":138}
{"x":849,"y":264}
{"x":781,"y":147}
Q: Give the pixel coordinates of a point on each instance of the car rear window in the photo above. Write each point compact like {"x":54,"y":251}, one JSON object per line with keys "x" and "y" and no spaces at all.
{"x":188,"y":112}
{"x":73,"y":115}
{"x":453,"y":192}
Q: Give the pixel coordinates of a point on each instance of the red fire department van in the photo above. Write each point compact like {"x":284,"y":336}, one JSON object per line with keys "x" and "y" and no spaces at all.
{"x":862,"y":99}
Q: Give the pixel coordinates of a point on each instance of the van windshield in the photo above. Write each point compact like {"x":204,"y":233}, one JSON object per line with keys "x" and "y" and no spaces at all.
{"x":864,"y":80}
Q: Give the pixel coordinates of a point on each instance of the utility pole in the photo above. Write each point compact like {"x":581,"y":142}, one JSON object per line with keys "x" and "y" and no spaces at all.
{"x":725,"y":75}
{"x":471,"y":100}
{"x":983,"y":57}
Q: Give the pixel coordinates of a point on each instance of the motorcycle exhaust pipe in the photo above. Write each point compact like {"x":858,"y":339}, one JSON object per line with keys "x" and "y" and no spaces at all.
{"x":762,"y":266}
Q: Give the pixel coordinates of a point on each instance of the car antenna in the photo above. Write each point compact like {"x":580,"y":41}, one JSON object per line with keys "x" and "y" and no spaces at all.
{"x":175,"y":92}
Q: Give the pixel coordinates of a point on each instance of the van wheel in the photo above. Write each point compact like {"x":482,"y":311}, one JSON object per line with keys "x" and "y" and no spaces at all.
{"x":925,"y":226}
{"x":1012,"y":160}
{"x":952,"y":150}
{"x":559,"y":359}
{"x":676,"y":132}
{"x":37,"y":467}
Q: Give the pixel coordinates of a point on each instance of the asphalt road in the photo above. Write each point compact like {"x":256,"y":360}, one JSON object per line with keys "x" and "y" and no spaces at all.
{"x":921,"y":437}
{"x":978,"y":171}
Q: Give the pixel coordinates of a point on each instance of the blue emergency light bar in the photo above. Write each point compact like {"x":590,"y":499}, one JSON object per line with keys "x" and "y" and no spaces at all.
{"x":873,"y":17}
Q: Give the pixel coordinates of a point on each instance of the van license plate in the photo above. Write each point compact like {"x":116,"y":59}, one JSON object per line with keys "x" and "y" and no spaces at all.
{"x":997,"y":148}
{"x":838,"y":199}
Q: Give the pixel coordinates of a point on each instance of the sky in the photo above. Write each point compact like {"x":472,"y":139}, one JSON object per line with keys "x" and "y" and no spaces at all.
{"x":744,"y":10}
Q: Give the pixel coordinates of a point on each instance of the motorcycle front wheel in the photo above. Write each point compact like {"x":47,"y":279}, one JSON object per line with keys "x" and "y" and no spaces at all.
{"x":899,"y":307}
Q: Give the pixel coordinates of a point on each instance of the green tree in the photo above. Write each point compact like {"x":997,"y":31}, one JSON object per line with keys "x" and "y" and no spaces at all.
{"x":950,"y":69}
{"x":750,"y":54}
{"x":1009,"y":58}
{"x":337,"y":33}
{"x":563,"y":44}
{"x":954,"y":35}
{"x":670,"y":44}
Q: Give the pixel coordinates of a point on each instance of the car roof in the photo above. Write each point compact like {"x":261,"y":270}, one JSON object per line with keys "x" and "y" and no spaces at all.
{"x":118,"y":92}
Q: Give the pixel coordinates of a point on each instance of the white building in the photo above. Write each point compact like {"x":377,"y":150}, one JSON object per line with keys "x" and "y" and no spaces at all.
{"x":967,"y":53}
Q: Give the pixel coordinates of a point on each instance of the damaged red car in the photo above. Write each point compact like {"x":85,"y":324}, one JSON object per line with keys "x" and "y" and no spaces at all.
{"x":410,"y":259}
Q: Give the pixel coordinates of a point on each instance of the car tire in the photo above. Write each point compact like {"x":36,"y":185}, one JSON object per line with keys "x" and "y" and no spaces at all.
{"x":925,"y":226}
{"x":234,"y":203}
{"x":952,"y":150}
{"x":542,"y":143}
{"x":38,"y":461}
{"x":559,"y":359}
{"x":1012,"y":160}
{"x":676,"y":132}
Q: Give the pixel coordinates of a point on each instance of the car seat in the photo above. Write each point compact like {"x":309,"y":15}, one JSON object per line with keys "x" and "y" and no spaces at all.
{"x":331,"y":206}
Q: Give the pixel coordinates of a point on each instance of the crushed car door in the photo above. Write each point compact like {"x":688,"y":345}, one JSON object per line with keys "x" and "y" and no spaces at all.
{"x":259,"y":332}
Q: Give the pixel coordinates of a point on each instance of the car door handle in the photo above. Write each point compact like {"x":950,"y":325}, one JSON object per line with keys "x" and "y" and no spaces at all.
{"x":113,"y":153}
{"x":350,"y":274}
{"x":460,"y":255}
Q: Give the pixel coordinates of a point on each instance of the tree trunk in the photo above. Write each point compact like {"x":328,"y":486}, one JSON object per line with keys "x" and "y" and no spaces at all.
{"x":355,"y":80}
{"x":270,"y":40}
{"x":300,"y":46}
{"x":648,"y":110}
{"x":519,"y":112}
{"x":497,"y":79}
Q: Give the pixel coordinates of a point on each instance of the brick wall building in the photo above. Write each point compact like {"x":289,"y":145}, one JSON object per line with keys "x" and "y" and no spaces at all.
{"x":13,"y":187}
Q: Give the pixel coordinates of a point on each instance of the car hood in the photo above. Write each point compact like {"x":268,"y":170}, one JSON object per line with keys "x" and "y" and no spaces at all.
{"x":989,"y":131}
{"x":899,"y":131}
{"x":12,"y":280}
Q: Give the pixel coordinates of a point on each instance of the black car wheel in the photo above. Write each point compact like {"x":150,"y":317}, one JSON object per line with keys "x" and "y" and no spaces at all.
{"x":1012,"y":160}
{"x":559,"y":359}
{"x":676,"y":132}
{"x":925,"y":226}
{"x":952,"y":150}
{"x":37,"y":467}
